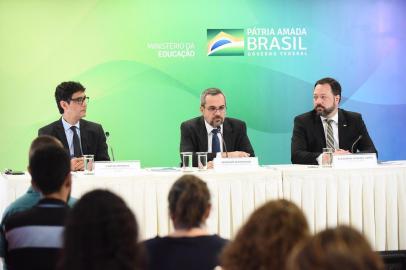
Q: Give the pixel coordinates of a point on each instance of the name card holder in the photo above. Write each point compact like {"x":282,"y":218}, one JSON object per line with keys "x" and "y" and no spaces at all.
{"x":355,"y":161}
{"x":117,"y":168}
{"x":231,"y":164}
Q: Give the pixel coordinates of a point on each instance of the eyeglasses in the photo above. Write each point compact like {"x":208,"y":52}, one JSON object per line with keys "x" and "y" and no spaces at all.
{"x":213,"y":109}
{"x":80,"y":100}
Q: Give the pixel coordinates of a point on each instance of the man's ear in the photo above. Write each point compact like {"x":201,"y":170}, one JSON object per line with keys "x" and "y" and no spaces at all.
{"x":63,"y":104}
{"x":337,"y":98}
{"x":201,"y":109}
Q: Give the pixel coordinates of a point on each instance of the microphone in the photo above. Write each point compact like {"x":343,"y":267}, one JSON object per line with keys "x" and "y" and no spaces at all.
{"x":108,"y":144}
{"x":222,"y":138}
{"x":357,"y":140}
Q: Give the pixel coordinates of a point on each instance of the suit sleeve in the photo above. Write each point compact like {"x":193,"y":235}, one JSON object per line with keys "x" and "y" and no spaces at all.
{"x":365,"y":144}
{"x":102,"y":148}
{"x":245,"y":144}
{"x":186,"y":142}
{"x":42,"y":131}
{"x":299,"y":148}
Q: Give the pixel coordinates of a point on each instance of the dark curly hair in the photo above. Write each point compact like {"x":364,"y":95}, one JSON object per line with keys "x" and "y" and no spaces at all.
{"x":101,"y":234}
{"x":189,"y":200}
{"x":267,"y":238}
{"x":335,"y":249}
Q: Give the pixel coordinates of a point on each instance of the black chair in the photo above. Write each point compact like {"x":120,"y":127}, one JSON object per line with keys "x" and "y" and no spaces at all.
{"x":394,"y":259}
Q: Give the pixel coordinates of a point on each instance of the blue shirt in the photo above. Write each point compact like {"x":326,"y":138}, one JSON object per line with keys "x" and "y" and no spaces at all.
{"x":69,"y":135}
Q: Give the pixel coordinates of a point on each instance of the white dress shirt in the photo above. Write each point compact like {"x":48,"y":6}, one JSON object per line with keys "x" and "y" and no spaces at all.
{"x":69,"y":135}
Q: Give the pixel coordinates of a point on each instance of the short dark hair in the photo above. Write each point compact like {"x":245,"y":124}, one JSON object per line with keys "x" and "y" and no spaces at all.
{"x":101,"y":232}
{"x":41,"y":141}
{"x":267,"y":238}
{"x":49,"y":166}
{"x":65,"y":90}
{"x":189,"y":198}
{"x":212,"y":92}
{"x":339,"y":248}
{"x":334,"y":84}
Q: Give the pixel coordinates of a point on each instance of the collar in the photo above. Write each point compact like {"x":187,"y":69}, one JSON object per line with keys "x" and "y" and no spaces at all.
{"x":67,"y":126}
{"x":334,"y":118}
{"x":209,"y":127}
{"x":32,"y":190}
{"x":50,"y":202}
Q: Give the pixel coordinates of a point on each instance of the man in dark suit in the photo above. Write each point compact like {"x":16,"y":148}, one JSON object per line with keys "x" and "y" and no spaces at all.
{"x":328,"y":126}
{"x":79,"y":136}
{"x":205,"y":133}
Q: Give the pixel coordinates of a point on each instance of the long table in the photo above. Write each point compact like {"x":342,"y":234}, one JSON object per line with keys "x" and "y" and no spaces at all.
{"x":372,"y":199}
{"x":234,"y":195}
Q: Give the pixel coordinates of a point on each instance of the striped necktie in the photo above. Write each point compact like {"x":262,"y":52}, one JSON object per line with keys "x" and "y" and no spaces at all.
{"x":329,"y":134}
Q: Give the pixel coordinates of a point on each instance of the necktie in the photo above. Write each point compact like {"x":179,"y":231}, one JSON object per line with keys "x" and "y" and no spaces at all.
{"x":329,"y":134}
{"x":215,"y":142}
{"x":77,"y":152}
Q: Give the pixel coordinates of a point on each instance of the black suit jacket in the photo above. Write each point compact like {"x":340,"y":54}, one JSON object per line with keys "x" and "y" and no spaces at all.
{"x":308,"y":138}
{"x":193,"y":137}
{"x":92,"y":138}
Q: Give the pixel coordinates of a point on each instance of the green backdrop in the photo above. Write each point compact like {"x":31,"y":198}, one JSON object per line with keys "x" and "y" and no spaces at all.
{"x":116,"y":48}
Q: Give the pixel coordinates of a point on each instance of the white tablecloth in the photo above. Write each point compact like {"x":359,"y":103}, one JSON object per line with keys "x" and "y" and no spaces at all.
{"x":373,"y":200}
{"x":234,"y":195}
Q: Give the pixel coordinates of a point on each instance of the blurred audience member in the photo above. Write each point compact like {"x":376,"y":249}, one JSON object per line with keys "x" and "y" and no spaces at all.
{"x":101,"y":234}
{"x":336,"y":249}
{"x":32,"y":196}
{"x":34,"y":237}
{"x":267,"y":238}
{"x":190,"y":246}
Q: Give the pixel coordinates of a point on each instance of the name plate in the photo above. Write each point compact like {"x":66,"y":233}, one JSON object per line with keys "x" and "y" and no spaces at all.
{"x":235,"y":163}
{"x":355,"y":161}
{"x":117,"y":168}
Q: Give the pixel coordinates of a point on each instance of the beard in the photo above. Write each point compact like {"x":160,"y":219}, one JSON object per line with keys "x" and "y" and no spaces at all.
{"x":216,"y":121}
{"x":324,"y":111}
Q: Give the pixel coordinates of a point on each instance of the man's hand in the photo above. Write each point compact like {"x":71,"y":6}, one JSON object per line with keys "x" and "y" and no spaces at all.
{"x":341,"y":152}
{"x":235,"y":154}
{"x":76,"y":164}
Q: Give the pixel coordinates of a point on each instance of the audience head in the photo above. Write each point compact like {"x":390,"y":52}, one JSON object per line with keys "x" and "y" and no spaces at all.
{"x":189,"y":202}
{"x":101,"y":233}
{"x":267,"y":238}
{"x":336,"y":249}
{"x":42,"y":141}
{"x":49,"y":167}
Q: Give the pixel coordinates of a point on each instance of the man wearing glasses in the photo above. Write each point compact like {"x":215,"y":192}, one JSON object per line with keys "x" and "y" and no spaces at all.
{"x":79,"y":136}
{"x":206,"y":133}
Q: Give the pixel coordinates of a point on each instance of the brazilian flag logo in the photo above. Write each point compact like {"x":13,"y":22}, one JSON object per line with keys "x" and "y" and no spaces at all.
{"x":225,"y":42}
